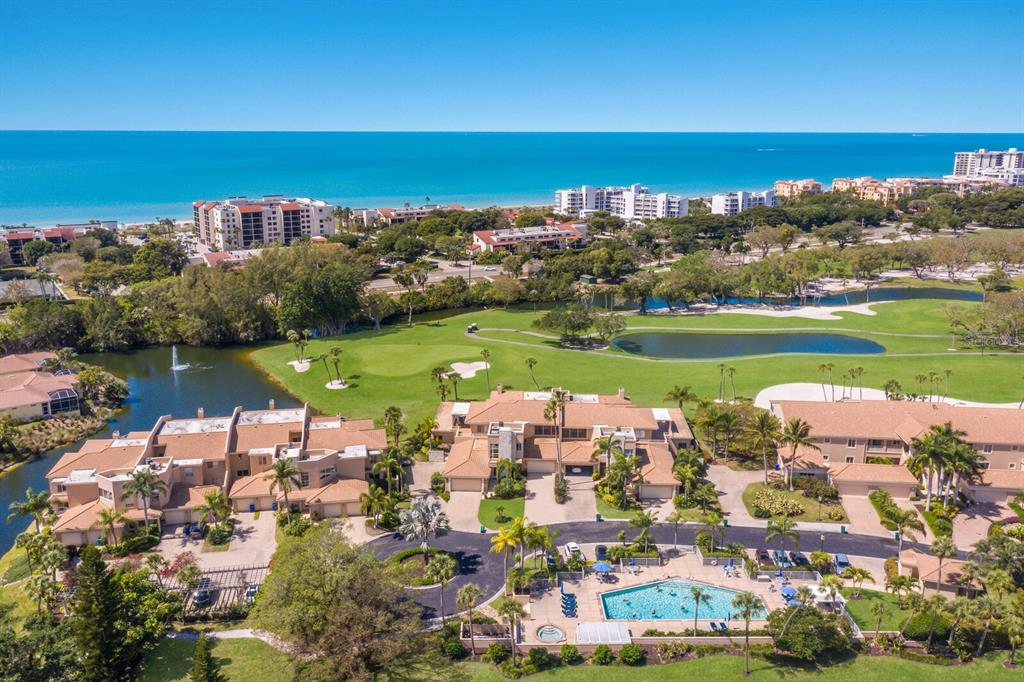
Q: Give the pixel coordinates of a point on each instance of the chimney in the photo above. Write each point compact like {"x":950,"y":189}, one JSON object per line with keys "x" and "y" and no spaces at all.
{"x":270,"y":404}
{"x":200,"y":413}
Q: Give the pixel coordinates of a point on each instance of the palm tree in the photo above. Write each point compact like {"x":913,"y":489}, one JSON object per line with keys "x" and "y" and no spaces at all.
{"x":554,"y":412}
{"x":827,"y":368}
{"x":901,"y":585}
{"x":466,"y":598}
{"x":698,"y":593}
{"x":510,"y":611}
{"x":294,"y":338}
{"x":1013,"y":624}
{"x":904,"y":520}
{"x":721,"y":382}
{"x":857,"y":576}
{"x":913,"y":605}
{"x":388,"y":465}
{"x":644,"y":521}
{"x":422,"y":521}
{"x":143,"y":485}
{"x":707,"y":423}
{"x":832,"y":584}
{"x":985,"y":607}
{"x":747,"y":604}
{"x":156,"y":563}
{"x":879,"y":611}
{"x":943,"y":548}
{"x":455,"y":378}
{"x":283,"y":473}
{"x":686,"y":474}
{"x":804,"y":597}
{"x":28,"y":542}
{"x":486,"y":355}
{"x":335,"y":353}
{"x":530,"y":364}
{"x":372,"y":502}
{"x":783,"y":528}
{"x":393,"y":426}
{"x":934,"y":605}
{"x":765,"y":432}
{"x":822,"y":369}
{"x":216,"y":506}
{"x":107,"y":519}
{"x":675,"y":518}
{"x":36,"y":505}
{"x":959,"y":610}
{"x":797,"y":434}
{"x":681,"y":395}
{"x":858,"y":372}
{"x":442,"y":569}
{"x":729,"y":424}
{"x":606,"y":450}
{"x":503,"y":543}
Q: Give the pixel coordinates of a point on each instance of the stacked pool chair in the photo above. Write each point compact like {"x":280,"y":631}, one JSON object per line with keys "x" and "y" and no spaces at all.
{"x":568,"y":603}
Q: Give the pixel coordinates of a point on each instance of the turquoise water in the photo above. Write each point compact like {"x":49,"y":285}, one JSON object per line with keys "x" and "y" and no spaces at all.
{"x":129,"y":176}
{"x":876,"y":295}
{"x":670,"y":600}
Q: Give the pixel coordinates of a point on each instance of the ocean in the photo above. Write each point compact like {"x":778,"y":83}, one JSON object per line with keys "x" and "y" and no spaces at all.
{"x":48,"y":177}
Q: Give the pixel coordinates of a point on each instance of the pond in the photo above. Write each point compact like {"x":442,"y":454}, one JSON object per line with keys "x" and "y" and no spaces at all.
{"x":696,"y":345}
{"x":876,"y":295}
{"x":216,"y":379}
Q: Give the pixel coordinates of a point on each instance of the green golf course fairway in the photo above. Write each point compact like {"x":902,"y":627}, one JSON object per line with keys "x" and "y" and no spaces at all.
{"x":393,"y":366}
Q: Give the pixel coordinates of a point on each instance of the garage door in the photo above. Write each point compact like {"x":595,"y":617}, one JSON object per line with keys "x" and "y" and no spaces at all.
{"x":540,"y":466}
{"x":472,"y":485}
{"x":656,"y":492}
{"x":331,"y":511}
{"x":993,"y":496}
{"x":176,"y":517}
{"x":579,"y":470}
{"x":352,"y":509}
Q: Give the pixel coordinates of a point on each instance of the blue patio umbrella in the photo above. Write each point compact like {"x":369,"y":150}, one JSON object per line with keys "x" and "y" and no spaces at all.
{"x":787,"y":591}
{"x":601,"y":567}
{"x":793,"y":602}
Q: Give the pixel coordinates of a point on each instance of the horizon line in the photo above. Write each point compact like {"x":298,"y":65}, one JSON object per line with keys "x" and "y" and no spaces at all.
{"x":523,"y":132}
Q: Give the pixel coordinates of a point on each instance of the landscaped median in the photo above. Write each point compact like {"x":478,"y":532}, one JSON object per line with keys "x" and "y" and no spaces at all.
{"x":496,"y":512}
{"x":766,"y":501}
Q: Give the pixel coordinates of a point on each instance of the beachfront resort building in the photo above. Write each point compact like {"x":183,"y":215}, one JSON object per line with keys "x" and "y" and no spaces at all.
{"x":28,"y":391}
{"x":732,"y":203}
{"x":882,"y":191}
{"x":632,"y":202}
{"x":971,"y":164}
{"x":397,"y":216}
{"x":239,"y":222}
{"x":233,"y":453}
{"x":864,"y":445}
{"x":511,"y":425}
{"x":793,"y":188}
{"x":559,"y":236}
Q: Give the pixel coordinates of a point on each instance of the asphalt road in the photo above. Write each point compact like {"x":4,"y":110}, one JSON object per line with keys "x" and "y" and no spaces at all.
{"x":477,"y":564}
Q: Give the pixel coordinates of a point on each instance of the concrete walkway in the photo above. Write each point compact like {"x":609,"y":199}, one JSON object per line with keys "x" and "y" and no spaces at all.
{"x":730,"y":485}
{"x":541,"y":507}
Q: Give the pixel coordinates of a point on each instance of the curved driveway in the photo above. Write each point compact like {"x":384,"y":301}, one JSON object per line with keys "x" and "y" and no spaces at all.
{"x":477,"y":564}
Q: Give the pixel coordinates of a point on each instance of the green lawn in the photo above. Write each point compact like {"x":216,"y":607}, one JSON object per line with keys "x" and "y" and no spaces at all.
{"x":607,"y":511}
{"x":240,"y":659}
{"x":13,"y":578}
{"x":489,"y":510}
{"x":860,"y":609}
{"x":392,"y":366}
{"x":810,"y":505}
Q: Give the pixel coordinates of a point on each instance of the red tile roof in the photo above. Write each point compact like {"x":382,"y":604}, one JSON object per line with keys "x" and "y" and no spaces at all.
{"x":250,"y":209}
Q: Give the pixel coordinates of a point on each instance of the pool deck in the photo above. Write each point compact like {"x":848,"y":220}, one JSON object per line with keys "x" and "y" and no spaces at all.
{"x":546,"y":608}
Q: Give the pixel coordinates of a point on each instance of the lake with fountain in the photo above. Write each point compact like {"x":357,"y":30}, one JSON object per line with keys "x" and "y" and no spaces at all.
{"x":160,"y":381}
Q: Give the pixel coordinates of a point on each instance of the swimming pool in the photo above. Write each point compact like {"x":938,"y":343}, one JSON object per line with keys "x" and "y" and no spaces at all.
{"x":670,"y":600}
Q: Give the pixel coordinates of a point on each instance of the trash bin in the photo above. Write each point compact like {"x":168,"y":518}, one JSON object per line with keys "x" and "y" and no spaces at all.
{"x":598,"y":518}
{"x":842,"y":530}
{"x":252,"y":508}
{"x":483,"y":528}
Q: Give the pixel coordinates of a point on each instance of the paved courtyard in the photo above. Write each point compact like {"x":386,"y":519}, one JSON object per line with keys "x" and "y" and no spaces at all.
{"x":253,"y":543}
{"x":540,"y":500}
{"x":730,"y":485}
{"x":972,"y":523}
{"x":462,"y":510}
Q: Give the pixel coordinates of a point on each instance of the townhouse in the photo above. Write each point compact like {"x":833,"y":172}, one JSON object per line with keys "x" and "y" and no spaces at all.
{"x":29,"y":392}
{"x":512,"y":425}
{"x":859,"y":441}
{"x":233,"y":453}
{"x":559,"y":236}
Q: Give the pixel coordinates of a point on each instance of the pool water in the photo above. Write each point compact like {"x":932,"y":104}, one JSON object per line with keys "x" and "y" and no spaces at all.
{"x":670,"y":600}
{"x":550,"y":633}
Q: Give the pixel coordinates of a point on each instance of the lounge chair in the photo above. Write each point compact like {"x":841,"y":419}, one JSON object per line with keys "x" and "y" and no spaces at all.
{"x":723,"y":627}
{"x":713,"y":626}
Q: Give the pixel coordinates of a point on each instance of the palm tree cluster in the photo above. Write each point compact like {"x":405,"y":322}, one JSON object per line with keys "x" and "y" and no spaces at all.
{"x":945,"y":460}
{"x":622,"y":472}
{"x":518,"y":539}
{"x":45,"y":554}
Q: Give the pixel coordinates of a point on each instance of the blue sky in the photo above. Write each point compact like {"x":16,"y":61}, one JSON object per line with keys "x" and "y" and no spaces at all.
{"x":855,"y":65}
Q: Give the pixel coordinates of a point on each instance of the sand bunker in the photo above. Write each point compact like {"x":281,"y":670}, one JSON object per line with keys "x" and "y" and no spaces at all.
{"x":468,"y":370}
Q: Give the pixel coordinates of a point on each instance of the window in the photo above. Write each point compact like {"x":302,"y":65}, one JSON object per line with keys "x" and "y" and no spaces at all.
{"x":106,"y":494}
{"x":242,"y":472}
{"x":851,"y":443}
{"x":849,"y":459}
{"x":827,"y":439}
{"x":824,"y":458}
{"x":1012,"y":465}
{"x":986,"y":448}
{"x":188,"y":472}
{"x":876,"y":443}
{"x":304,"y":479}
{"x":545,"y":430}
{"x":209,"y":465}
{"x":494,"y":449}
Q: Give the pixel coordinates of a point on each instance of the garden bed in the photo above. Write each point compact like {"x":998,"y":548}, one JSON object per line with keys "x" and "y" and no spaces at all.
{"x":810,"y":506}
{"x":411,"y":560}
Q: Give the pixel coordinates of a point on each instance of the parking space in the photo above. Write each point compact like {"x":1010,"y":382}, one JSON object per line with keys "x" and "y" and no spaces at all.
{"x":863,"y":517}
{"x":253,"y":543}
{"x":463,"y":509}
{"x":540,"y":500}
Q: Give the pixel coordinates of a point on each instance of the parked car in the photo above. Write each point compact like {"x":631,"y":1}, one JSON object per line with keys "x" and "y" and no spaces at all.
{"x":572,"y":549}
{"x":798,"y":559}
{"x":842,"y":563}
{"x":780,"y":559}
{"x":250,"y":592}
{"x":764,"y":559}
{"x":491,"y":268}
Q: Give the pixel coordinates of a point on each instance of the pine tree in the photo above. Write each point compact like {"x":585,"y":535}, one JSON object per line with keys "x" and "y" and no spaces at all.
{"x":204,"y":667}
{"x":94,"y":625}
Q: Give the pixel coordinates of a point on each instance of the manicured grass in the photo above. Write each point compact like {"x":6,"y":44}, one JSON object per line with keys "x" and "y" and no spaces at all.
{"x":240,"y":659}
{"x":489,"y":511}
{"x":722,"y":667}
{"x":939,"y":525}
{"x":810,"y":505}
{"x":860,"y":609}
{"x":13,"y":578}
{"x":607,"y":511}
{"x":392,"y":366}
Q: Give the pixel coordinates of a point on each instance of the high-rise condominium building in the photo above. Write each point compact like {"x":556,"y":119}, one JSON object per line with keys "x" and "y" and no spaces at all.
{"x":732,"y":203}
{"x":634,"y":202}
{"x":239,"y":222}
{"x":793,"y":188}
{"x":971,"y":163}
